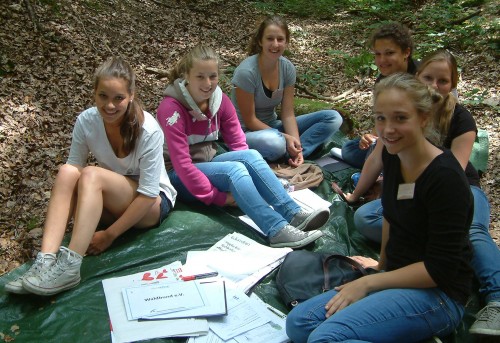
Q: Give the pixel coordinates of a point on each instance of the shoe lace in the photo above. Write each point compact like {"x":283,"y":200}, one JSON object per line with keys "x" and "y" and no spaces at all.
{"x":294,"y":233}
{"x":53,"y":272}
{"x":490,"y":314}
{"x":39,"y":263}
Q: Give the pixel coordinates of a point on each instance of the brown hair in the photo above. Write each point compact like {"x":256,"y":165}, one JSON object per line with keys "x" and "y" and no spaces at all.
{"x":130,"y":128}
{"x":254,"y":46}
{"x":443,"y":117}
{"x":425,"y":99}
{"x":199,"y":52}
{"x":396,"y":32}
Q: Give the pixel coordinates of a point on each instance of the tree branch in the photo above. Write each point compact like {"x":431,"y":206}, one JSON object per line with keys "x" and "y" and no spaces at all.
{"x":32,"y":15}
{"x":467,"y":17}
{"x":331,"y":98}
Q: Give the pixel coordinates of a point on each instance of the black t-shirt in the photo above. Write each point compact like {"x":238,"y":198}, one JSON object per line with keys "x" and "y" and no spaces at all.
{"x":462,"y":122}
{"x":433,"y":226}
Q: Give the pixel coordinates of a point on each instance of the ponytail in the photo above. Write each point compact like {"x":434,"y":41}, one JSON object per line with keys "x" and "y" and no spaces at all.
{"x":445,"y":111}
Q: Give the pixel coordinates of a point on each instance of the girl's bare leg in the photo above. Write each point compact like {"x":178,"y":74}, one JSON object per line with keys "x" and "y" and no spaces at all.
{"x":61,"y":206}
{"x":99,"y":188}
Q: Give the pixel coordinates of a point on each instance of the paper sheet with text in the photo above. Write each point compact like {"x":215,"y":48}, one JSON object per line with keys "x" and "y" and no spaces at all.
{"x":239,"y":260}
{"x":124,"y":330}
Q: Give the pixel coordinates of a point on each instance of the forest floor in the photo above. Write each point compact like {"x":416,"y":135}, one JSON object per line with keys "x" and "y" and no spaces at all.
{"x":46,"y":81}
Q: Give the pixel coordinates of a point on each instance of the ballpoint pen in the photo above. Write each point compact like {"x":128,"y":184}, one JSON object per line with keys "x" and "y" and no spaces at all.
{"x":198,"y":276}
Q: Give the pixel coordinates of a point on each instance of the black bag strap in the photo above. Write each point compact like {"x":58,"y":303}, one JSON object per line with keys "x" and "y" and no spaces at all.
{"x":326,"y":272}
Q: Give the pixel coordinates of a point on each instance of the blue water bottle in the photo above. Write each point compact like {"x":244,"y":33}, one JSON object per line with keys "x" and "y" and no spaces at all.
{"x":355,"y":179}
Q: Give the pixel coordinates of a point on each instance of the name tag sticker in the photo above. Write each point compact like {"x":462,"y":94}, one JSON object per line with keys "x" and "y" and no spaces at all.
{"x":406,"y":191}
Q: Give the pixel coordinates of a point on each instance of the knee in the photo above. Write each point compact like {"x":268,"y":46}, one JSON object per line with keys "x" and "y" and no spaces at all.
{"x":237,"y":171}
{"x":332,"y":119}
{"x":272,"y":146}
{"x":68,"y":171}
{"x":366,"y":221}
{"x":478,"y":232}
{"x":253,"y":156}
{"x":294,"y":327}
{"x":88,"y":176}
{"x":361,"y":216}
{"x":351,"y":145}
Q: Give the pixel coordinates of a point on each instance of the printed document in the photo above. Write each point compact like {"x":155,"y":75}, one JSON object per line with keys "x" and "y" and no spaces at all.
{"x":271,"y":332}
{"x":213,"y":294}
{"x":154,"y":299}
{"x":243,"y":315}
{"x":124,"y":330}
{"x":241,"y":261}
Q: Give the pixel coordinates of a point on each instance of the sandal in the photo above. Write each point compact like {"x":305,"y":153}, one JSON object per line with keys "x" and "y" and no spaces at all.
{"x":339,"y":191}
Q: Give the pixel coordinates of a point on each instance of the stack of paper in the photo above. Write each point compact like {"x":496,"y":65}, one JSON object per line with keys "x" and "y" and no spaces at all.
{"x":125,"y":330}
{"x":158,"y":303}
{"x":249,"y":320}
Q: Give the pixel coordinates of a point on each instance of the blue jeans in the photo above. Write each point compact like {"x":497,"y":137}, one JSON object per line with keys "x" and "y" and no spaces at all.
{"x":391,"y":315}
{"x":486,"y":254}
{"x":485,"y":257}
{"x":314,"y":129}
{"x":368,"y":220}
{"x":253,"y":184}
{"x":352,"y":154}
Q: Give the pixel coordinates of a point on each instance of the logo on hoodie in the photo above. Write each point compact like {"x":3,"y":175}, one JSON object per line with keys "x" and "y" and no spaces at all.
{"x":173,"y":119}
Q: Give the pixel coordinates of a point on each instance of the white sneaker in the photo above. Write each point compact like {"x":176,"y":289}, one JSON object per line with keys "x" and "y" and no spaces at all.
{"x":488,"y":320}
{"x":307,"y":221}
{"x":290,"y":237}
{"x":42,"y":262}
{"x":63,"y":275}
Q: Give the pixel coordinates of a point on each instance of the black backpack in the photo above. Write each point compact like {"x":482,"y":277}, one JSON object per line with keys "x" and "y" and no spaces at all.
{"x":304,"y":274}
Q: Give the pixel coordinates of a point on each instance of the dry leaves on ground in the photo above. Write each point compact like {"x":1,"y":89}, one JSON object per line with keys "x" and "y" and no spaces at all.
{"x":46,"y":81}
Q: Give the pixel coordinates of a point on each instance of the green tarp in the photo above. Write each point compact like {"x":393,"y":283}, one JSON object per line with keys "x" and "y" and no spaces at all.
{"x":80,"y":314}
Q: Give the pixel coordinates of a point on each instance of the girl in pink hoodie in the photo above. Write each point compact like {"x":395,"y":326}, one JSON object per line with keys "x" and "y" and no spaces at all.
{"x":192,"y":115}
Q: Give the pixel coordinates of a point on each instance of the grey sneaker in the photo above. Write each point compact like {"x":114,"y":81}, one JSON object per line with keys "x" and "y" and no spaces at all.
{"x":63,"y":275}
{"x":290,"y":237}
{"x":487,"y":320}
{"x":42,"y":262}
{"x":306,"y":221}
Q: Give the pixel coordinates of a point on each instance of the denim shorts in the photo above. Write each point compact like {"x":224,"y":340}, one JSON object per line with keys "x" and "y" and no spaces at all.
{"x":165,"y":207}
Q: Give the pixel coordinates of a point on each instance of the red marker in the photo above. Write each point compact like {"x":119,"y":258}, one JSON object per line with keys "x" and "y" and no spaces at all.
{"x":199,"y":276}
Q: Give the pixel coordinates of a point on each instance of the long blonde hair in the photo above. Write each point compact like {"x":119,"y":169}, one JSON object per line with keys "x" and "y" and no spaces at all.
{"x":130,"y":128}
{"x":444,"y":113}
{"x":200,"y":52}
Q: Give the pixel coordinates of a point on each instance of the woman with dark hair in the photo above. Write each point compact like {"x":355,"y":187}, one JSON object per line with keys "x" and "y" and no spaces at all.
{"x":392,"y":47}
